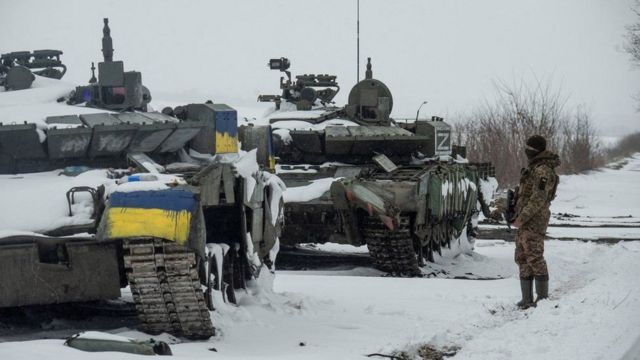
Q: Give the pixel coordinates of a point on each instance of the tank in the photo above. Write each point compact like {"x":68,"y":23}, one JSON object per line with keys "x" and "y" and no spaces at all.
{"x":183,"y":248}
{"x":17,"y":68}
{"x":188,"y":248}
{"x":400,"y":187}
{"x":114,"y":88}
{"x":186,"y":219}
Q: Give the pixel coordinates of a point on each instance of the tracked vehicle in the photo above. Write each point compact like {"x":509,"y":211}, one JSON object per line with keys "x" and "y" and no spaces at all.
{"x":181,"y":216}
{"x":398,"y":186}
{"x":17,"y":68}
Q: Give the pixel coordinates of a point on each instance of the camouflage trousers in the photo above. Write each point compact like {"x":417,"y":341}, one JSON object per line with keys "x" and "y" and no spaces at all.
{"x":530,"y":254}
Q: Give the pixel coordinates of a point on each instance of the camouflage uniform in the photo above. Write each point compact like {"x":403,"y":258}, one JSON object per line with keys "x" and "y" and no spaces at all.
{"x":537,"y":188}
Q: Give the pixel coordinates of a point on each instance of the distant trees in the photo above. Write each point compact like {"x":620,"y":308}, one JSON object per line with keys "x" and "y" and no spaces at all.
{"x":626,"y":146}
{"x":581,"y":148}
{"x":632,"y":44}
{"x":498,"y":130}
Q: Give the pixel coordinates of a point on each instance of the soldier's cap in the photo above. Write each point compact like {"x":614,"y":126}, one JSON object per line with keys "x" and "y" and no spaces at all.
{"x":537,"y":142}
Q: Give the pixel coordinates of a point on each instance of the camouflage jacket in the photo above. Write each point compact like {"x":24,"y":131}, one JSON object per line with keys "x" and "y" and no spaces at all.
{"x":538,"y":184}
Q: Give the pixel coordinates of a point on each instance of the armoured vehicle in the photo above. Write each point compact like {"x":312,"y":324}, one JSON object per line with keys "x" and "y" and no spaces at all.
{"x":185,"y":210}
{"x":401,"y":188}
{"x":17,"y":68}
{"x":305,"y":91}
{"x":114,"y":89}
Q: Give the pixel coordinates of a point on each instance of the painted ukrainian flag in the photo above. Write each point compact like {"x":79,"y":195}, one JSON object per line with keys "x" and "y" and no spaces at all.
{"x":226,"y":135}
{"x":164,"y":214}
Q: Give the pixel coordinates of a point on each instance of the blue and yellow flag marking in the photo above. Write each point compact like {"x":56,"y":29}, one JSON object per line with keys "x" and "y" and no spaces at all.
{"x":271,"y":159}
{"x":225,"y":143}
{"x":164,"y":214}
{"x":227,"y":134}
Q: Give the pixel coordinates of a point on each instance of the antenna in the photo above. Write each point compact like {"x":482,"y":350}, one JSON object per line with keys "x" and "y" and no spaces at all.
{"x":93,"y":79}
{"x":358,"y":46}
{"x":418,"y":112}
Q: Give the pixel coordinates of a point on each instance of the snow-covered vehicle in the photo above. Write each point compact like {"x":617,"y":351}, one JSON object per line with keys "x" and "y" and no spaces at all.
{"x":188,"y":220}
{"x":17,"y":68}
{"x":357,"y":176}
{"x":213,"y":232}
{"x":169,"y":237}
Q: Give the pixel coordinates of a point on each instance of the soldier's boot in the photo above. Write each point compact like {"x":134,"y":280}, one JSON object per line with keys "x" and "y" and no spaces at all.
{"x":542,"y":287}
{"x":526,"y":287}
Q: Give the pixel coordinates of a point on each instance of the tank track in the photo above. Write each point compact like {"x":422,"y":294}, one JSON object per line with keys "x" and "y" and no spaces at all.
{"x":166,"y":288}
{"x":392,"y":251}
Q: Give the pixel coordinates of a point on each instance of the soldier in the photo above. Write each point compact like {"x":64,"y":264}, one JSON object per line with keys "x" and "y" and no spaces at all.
{"x":537,"y":188}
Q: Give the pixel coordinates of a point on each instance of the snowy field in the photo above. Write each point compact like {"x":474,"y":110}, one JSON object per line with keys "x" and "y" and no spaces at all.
{"x":593,"y":311}
{"x":609,"y":193}
{"x":594,"y":306}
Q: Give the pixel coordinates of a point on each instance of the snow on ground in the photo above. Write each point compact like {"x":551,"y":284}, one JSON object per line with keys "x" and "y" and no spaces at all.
{"x":593,"y":311}
{"x":604,"y":203}
{"x":593,"y":233}
{"x":592,"y":314}
{"x":337,"y":248}
{"x":585,"y":233}
{"x":615,"y":192}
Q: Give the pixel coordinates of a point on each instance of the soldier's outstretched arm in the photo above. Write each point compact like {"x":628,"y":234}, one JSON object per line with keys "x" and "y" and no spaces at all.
{"x":544,"y":179}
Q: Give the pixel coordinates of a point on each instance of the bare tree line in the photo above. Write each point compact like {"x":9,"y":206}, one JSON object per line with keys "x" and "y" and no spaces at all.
{"x":626,"y":146}
{"x":630,"y":143}
{"x":632,"y":44}
{"x":497,"y":130}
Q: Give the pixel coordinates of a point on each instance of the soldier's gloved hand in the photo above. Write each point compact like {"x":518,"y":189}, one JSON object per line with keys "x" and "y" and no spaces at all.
{"x":517,"y":224}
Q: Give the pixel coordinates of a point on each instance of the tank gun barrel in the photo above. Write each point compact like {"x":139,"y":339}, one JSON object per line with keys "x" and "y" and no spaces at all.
{"x":107,"y":42}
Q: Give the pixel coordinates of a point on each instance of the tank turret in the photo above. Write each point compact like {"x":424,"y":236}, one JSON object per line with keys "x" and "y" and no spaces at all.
{"x":395,"y":187}
{"x":17,"y":68}
{"x":369,"y":131}
{"x":115,"y":89}
{"x":305,"y":91}
{"x":370,"y":100}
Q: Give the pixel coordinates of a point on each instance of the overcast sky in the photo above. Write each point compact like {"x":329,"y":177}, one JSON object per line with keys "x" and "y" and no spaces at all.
{"x":448,"y":52}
